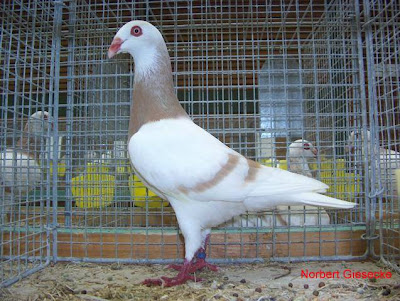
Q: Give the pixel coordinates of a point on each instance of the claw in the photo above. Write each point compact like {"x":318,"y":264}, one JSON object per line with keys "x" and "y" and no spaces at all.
{"x":200,"y":264}
{"x":181,"y":278}
{"x":185,"y":270}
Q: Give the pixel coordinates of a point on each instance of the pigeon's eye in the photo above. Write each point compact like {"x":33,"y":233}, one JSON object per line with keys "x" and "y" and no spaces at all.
{"x":136,"y":31}
{"x":306,"y":146}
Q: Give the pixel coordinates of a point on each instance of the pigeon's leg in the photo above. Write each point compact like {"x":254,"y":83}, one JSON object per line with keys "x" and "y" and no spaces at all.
{"x":193,"y":241}
{"x":200,"y":256}
{"x":181,"y":278}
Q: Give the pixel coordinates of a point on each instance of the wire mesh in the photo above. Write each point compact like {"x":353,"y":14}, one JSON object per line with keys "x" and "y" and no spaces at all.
{"x":265,"y":77}
{"x":383,"y":45}
{"x":25,"y":133}
{"x":256,"y":76}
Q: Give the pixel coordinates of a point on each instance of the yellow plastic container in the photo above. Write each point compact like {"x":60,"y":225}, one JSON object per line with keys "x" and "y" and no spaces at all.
{"x":95,"y":188}
{"x":342,"y":185}
{"x":61,"y":168}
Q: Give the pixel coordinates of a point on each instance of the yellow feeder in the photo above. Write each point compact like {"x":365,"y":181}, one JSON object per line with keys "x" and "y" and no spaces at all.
{"x":61,"y":168}
{"x":93,"y":189}
{"x":343,"y":185}
{"x":140,"y":192}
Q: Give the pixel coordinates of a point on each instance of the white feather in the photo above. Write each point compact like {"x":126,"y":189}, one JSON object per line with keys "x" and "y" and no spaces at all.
{"x":175,"y":153}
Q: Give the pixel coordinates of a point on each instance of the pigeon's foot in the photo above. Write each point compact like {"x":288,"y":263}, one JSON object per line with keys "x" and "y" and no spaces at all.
{"x":201,"y":264}
{"x":176,"y":267}
{"x":198,"y":265}
{"x":181,"y":278}
{"x":152,"y":282}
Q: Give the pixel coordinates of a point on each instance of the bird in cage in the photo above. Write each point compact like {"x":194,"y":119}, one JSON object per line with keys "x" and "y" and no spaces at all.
{"x":359,"y":147}
{"x":299,"y":156}
{"x":206,"y":182}
{"x":20,"y":166}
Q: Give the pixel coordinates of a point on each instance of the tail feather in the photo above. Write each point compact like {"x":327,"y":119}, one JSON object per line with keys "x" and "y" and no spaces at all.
{"x":320,"y":200}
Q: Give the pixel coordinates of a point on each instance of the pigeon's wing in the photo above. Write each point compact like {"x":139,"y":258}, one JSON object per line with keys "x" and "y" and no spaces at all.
{"x":181,"y":160}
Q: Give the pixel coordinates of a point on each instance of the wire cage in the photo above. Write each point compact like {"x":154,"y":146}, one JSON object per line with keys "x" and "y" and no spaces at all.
{"x":258,"y":76}
{"x":27,"y":92}
{"x":383,"y":62}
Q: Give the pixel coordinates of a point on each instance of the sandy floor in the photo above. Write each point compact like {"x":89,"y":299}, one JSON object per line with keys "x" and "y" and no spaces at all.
{"x":261,"y":282}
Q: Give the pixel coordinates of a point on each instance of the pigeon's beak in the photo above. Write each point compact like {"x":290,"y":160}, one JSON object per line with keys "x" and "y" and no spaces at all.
{"x":114,"y":47}
{"x":315,"y":151}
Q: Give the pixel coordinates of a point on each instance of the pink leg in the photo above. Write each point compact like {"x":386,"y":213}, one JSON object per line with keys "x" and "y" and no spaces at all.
{"x":181,"y":278}
{"x":200,"y":262}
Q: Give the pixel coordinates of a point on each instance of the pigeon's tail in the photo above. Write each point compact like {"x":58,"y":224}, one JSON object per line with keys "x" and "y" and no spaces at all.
{"x":320,"y":200}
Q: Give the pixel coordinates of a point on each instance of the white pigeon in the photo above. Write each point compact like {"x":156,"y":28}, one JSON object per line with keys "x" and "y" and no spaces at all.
{"x":206,"y":182}
{"x":20,"y":170}
{"x":298,"y":156}
{"x":389,"y":160}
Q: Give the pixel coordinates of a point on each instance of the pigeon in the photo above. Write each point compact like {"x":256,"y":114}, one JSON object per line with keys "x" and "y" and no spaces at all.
{"x":298,"y":156}
{"x":389,"y":160}
{"x":20,"y":170}
{"x":206,"y":182}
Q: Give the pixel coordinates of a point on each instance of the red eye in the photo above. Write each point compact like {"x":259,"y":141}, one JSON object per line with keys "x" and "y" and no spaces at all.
{"x":306,"y":146}
{"x":136,"y":31}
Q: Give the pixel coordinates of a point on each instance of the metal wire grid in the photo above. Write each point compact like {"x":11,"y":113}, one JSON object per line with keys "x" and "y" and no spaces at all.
{"x":240,"y":71}
{"x":333,"y":97}
{"x":228,"y":62}
{"x":26,"y":83}
{"x":383,"y":62}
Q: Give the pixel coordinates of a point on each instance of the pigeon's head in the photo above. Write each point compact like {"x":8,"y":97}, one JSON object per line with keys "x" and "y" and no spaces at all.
{"x":357,"y":137}
{"x":40,"y":115}
{"x":39,"y":122}
{"x":139,"y":38}
{"x":302,"y":149}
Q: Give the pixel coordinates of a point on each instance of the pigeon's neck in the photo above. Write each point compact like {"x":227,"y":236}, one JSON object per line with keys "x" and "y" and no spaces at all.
{"x":153,"y":94}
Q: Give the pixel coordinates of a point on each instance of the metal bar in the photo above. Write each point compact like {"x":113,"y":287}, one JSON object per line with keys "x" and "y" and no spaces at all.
{"x":56,"y":48}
